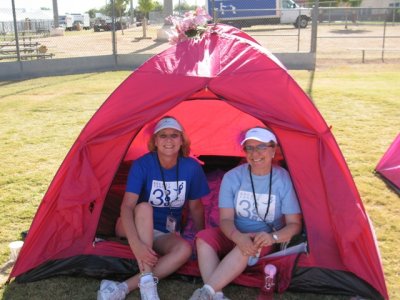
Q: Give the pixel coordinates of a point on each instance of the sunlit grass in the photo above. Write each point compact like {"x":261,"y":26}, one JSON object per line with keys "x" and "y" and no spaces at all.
{"x":41,"y":118}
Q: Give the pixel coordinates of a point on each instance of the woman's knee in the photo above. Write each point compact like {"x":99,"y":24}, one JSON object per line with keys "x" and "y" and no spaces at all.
{"x":203,"y":247}
{"x":143,"y":210}
{"x":200,"y":243}
{"x":181,"y":248}
{"x":185,"y":248}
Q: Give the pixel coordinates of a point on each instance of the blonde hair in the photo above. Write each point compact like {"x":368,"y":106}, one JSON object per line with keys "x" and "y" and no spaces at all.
{"x":185,"y":148}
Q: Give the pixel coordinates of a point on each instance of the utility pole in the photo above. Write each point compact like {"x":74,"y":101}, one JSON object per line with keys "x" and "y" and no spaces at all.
{"x":16,"y":33}
{"x":114,"y":40}
{"x":313,"y":50}
{"x":131,"y":10}
{"x":55,"y":14}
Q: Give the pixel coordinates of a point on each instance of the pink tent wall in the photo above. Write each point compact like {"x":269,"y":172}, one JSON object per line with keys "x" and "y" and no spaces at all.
{"x":217,"y":87}
{"x":389,"y":165}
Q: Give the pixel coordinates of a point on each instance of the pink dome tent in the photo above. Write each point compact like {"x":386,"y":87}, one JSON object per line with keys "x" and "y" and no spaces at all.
{"x":217,"y":87}
{"x":389,"y":165}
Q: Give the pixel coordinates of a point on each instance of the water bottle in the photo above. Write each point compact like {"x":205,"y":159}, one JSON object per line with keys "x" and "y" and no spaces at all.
{"x":253,"y":259}
{"x":267,"y":290}
{"x":270,"y":273}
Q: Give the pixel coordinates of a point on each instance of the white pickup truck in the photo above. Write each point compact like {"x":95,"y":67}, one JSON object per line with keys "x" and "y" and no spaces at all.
{"x":245,"y":13}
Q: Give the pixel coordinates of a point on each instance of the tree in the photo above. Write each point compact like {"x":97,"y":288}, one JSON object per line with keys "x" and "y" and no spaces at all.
{"x":92,"y":13}
{"x":351,"y":3}
{"x":158,"y":6}
{"x":120,"y":7}
{"x":119,"y":11}
{"x":183,"y":7}
{"x":145,"y":6}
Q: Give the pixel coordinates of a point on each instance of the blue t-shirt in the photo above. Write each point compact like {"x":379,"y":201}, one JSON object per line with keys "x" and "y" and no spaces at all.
{"x":146,"y":180}
{"x":236,"y":192}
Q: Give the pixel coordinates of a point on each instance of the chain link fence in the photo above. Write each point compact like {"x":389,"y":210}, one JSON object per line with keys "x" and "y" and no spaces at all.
{"x":359,"y":34}
{"x":349,"y":34}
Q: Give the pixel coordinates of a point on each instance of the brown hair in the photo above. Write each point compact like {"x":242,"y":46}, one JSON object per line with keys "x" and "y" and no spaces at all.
{"x":185,"y":148}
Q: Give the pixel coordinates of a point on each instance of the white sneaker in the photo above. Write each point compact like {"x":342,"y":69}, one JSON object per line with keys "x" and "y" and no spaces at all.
{"x":219,"y":296}
{"x":111,"y":290}
{"x":148,"y":290}
{"x":202,"y":294}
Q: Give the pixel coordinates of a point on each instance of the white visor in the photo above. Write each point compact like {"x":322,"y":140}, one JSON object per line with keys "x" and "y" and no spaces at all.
{"x":167,"y":123}
{"x":259,"y":134}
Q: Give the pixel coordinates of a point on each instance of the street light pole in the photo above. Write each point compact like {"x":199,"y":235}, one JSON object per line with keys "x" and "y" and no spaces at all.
{"x":131,"y":11}
{"x":16,"y":32}
{"x":114,"y":40}
{"x":55,"y":14}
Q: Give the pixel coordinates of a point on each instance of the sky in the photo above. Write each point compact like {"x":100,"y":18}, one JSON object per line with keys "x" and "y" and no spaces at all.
{"x":73,"y":6}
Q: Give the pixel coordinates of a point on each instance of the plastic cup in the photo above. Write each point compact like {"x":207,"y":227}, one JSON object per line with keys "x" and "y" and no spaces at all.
{"x":15,"y":247}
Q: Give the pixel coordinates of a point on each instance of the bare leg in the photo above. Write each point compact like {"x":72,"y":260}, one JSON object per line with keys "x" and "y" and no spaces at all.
{"x":174,"y":251}
{"x":208,"y":259}
{"x":230,"y":267}
{"x":143,"y":216}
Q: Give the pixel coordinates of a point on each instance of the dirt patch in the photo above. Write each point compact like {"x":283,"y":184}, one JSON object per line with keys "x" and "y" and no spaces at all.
{"x":348,"y":32}
{"x":5,"y":270}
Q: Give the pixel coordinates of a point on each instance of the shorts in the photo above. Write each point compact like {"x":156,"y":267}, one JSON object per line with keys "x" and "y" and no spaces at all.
{"x":157,"y":234}
{"x":221,"y":244}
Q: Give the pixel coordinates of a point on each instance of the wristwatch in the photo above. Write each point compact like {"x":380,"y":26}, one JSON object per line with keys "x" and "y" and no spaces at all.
{"x":275,"y":237}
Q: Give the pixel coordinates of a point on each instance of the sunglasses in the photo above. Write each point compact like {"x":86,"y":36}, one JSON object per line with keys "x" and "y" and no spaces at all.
{"x":173,"y":136}
{"x":258,"y":148}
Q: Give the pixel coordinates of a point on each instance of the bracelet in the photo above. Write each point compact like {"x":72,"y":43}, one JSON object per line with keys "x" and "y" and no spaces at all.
{"x":232,"y":232}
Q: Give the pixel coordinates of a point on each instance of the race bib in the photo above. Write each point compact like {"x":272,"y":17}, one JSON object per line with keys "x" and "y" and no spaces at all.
{"x":172,"y":195}
{"x":246,"y":208}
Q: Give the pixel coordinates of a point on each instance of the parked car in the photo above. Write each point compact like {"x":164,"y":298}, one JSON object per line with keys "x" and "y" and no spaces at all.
{"x":393,"y":13}
{"x":102,"y":25}
{"x":106,"y":25}
{"x":139,"y":23}
{"x":77,"y":25}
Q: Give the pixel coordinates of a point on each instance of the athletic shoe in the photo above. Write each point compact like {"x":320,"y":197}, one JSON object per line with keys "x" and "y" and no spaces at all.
{"x":202,"y":294}
{"x":219,"y":296}
{"x":148,"y":290}
{"x":112,"y":290}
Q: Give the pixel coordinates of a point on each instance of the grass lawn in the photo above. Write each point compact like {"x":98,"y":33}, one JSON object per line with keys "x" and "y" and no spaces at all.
{"x":41,"y":118}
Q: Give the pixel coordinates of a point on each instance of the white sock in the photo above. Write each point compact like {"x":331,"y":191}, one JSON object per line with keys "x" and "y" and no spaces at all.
{"x":210,"y":288}
{"x":221,"y":294}
{"x":124,"y":286}
{"x":146,"y":278}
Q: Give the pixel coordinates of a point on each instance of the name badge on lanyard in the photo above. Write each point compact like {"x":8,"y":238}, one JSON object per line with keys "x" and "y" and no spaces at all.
{"x":171,"y":220}
{"x":171,"y":224}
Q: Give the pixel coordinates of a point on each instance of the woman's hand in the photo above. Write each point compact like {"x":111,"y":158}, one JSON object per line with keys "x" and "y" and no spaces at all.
{"x":145,"y":255}
{"x":263,"y":239}
{"x":245,"y":243}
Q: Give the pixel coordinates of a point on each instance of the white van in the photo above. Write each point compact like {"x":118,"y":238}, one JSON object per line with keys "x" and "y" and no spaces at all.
{"x":245,"y":13}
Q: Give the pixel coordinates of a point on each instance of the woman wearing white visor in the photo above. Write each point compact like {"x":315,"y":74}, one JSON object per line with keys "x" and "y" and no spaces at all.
{"x":258,"y":208}
{"x":159,"y":184}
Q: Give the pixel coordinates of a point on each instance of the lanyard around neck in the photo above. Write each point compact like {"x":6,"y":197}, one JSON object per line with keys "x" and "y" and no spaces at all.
{"x":254,"y":193}
{"x":167,"y":198}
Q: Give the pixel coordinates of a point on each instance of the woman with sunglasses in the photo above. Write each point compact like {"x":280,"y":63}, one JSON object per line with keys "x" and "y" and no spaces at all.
{"x":258,"y":208}
{"x":159,"y":184}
